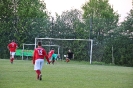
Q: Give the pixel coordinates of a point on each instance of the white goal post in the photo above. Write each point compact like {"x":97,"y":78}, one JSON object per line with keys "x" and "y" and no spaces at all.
{"x":70,"y":40}
{"x":35,"y":45}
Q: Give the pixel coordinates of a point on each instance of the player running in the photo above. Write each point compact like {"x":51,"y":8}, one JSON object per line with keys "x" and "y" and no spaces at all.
{"x":12,"y":48}
{"x":38,"y":59}
{"x":51,"y":52}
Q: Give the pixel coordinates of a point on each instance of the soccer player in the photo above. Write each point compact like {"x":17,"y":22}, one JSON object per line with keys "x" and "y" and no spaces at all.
{"x":70,"y":55}
{"x":38,"y":59}
{"x":53,"y":58}
{"x":12,"y":48}
{"x":51,"y":52}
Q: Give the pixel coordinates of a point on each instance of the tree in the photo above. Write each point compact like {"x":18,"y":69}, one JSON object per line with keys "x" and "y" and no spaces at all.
{"x":6,"y":25}
{"x":101,"y":16}
{"x":65,"y":23}
{"x":127,"y":25}
{"x":22,"y":20}
{"x":101,"y":21}
{"x":124,"y":42}
{"x":31,"y":20}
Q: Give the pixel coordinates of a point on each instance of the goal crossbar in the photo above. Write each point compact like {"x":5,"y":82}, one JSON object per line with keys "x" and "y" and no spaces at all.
{"x":42,"y":45}
{"x":64,"y":39}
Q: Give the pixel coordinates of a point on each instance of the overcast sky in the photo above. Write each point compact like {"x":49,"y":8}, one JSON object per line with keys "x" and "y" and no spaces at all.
{"x":121,"y":6}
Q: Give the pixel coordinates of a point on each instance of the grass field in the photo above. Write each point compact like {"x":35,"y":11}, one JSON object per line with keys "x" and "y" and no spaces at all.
{"x":64,"y":75}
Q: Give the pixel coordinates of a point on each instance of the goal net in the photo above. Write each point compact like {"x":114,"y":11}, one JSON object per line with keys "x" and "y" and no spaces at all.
{"x":82,"y":48}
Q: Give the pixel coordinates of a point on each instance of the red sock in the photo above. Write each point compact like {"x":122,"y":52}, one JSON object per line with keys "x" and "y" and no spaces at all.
{"x":38,"y":73}
{"x":12,"y":59}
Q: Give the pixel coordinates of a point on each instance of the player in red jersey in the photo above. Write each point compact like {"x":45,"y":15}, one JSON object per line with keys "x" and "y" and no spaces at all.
{"x":51,"y":52}
{"x":12,"y":48}
{"x":38,"y":59}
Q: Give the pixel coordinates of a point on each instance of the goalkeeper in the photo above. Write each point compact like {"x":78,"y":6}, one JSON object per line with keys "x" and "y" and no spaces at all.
{"x":70,"y":55}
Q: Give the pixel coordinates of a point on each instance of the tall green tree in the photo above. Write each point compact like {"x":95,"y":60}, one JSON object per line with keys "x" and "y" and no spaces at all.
{"x":66,"y":22}
{"x":101,"y":21}
{"x":6,"y":25}
{"x":31,"y":20}
{"x":124,"y":42}
{"x":100,"y":17}
{"x":22,"y":20}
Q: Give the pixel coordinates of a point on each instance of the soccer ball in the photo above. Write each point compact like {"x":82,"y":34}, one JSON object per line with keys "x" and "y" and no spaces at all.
{"x":64,"y":55}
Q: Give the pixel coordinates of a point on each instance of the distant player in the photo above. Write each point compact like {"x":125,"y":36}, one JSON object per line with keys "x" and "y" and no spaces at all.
{"x":70,"y":55}
{"x":12,"y":48}
{"x":51,"y":52}
{"x":53,"y":58}
{"x":38,"y":59}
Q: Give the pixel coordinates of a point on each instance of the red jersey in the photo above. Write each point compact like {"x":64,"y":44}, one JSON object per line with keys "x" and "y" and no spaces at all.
{"x":40,"y":53}
{"x":50,"y":53}
{"x":12,"y":46}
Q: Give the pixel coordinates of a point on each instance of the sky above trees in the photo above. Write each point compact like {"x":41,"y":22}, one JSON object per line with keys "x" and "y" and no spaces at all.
{"x":121,"y":6}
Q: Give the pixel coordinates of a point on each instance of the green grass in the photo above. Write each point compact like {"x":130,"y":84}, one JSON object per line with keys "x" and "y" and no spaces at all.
{"x":64,"y":75}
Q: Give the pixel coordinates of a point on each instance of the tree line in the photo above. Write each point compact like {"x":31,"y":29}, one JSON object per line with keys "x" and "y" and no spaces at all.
{"x":23,"y":20}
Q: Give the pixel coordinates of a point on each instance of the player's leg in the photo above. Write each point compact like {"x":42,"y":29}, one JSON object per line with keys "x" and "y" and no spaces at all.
{"x":67,"y":60}
{"x":37,"y":67}
{"x":41,"y":66}
{"x":52,"y":60}
{"x":12,"y":57}
{"x":70,"y":59}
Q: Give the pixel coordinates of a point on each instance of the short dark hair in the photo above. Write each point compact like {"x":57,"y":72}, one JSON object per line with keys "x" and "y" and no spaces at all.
{"x":39,"y":44}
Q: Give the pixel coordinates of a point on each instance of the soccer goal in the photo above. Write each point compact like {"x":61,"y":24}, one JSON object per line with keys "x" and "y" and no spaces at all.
{"x":82,"y":48}
{"x":28,"y":52}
